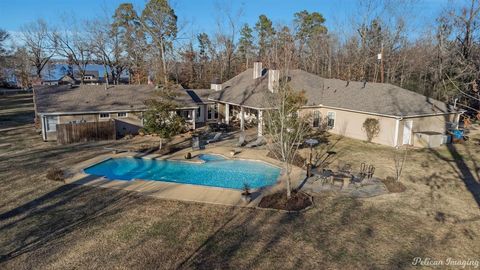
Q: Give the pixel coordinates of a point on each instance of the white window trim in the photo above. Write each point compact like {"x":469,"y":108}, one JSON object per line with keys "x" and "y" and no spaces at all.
{"x":46,"y":120}
{"x":124,"y":116}
{"x":334,"y":119}
{"x":100,"y":116}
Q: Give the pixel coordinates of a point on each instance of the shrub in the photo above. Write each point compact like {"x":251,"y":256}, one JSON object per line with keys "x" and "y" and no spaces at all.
{"x":55,"y":174}
{"x":371,"y":126}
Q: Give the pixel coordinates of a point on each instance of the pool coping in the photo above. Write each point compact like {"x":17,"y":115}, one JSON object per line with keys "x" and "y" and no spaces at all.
{"x":182,"y":191}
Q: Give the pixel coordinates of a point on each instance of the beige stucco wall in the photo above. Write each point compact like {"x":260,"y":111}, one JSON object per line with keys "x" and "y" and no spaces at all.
{"x":436,"y":123}
{"x":350,"y":124}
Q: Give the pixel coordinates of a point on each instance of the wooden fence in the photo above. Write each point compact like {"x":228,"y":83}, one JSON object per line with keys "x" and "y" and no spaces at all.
{"x":83,"y":132}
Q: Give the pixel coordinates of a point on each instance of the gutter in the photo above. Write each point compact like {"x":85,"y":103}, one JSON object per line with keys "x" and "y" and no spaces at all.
{"x":88,"y":112}
{"x":377,"y":114}
{"x":110,"y":111}
{"x":235,"y":104}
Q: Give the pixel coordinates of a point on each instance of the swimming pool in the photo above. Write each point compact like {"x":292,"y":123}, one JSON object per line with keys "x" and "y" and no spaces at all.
{"x":215,"y":171}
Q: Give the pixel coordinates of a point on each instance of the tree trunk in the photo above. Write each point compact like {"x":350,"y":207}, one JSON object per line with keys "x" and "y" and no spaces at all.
{"x":289,"y":189}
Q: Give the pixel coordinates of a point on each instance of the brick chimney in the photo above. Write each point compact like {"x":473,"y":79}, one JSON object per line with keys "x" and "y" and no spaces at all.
{"x":273,"y":78}
{"x":257,"y":69}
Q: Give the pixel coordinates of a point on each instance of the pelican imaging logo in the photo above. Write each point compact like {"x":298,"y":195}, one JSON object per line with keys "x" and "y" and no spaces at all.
{"x":450,"y":262}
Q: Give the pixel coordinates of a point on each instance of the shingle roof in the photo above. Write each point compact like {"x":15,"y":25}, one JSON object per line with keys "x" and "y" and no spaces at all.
{"x":89,"y":98}
{"x":376,"y":98}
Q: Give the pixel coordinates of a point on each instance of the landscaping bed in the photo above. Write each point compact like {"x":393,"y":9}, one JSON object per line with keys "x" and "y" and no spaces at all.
{"x":393,"y":186}
{"x":298,"y":201}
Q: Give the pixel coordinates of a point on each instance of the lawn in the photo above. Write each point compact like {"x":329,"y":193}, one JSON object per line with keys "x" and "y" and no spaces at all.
{"x":49,"y":225}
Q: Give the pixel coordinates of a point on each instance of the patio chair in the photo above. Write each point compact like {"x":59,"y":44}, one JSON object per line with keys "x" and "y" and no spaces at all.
{"x":215,"y":138}
{"x":258,"y":142}
{"x":241,"y":140}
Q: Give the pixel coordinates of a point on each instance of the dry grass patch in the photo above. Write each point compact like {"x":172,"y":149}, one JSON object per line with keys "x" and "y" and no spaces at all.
{"x":48,"y":225}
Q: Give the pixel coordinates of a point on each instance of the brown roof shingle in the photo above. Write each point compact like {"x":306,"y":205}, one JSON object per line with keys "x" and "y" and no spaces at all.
{"x":95,"y":98}
{"x":375,"y":98}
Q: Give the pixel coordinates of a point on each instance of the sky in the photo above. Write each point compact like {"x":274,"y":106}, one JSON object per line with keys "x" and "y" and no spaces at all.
{"x":202,"y":15}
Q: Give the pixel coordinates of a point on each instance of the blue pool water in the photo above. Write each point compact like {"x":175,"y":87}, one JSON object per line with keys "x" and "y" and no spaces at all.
{"x":215,"y":171}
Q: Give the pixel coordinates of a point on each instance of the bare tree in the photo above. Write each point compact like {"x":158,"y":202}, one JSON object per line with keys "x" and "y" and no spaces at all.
{"x":107,"y":48}
{"x":40,"y":44}
{"x":400,"y":155}
{"x":76,"y":46}
{"x":285,"y":127}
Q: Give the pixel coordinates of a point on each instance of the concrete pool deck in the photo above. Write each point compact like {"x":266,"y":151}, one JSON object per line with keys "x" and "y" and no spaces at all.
{"x":185,"y":192}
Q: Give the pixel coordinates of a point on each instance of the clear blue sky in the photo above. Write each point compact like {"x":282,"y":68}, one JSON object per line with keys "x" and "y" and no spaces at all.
{"x":198,"y":15}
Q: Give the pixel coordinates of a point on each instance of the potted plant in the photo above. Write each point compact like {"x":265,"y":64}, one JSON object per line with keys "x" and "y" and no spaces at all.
{"x":246,"y":194}
{"x":188,"y":155}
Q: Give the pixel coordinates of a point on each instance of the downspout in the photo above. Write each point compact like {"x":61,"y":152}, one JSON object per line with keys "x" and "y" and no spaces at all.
{"x":44,"y":133}
{"x":397,"y":128}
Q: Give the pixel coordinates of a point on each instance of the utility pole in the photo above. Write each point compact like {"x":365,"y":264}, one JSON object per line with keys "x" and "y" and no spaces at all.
{"x":381,"y":65}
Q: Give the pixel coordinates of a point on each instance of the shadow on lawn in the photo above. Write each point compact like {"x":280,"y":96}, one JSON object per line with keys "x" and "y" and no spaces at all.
{"x":341,"y":233}
{"x":44,"y":220}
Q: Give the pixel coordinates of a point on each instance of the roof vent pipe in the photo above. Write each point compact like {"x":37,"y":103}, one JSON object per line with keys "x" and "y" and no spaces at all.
{"x":273,"y":78}
{"x":257,"y":69}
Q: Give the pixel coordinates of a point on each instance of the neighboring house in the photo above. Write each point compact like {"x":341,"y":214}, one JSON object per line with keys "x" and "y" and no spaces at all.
{"x":67,"y":79}
{"x":123,"y":103}
{"x":90,"y":77}
{"x":339,"y":105}
{"x":50,"y":82}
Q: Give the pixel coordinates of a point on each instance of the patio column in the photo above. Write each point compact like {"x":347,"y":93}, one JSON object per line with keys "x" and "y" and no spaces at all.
{"x":227,"y":113}
{"x":260,"y":123}
{"x":242,"y":118}
{"x":194,"y":117}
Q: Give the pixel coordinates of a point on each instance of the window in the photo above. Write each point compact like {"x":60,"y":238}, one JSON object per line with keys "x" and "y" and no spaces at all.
{"x":186,"y":114}
{"x":198,"y":113}
{"x":51,"y":123}
{"x":88,"y":77}
{"x":104,"y":115}
{"x":122,"y":114}
{"x":316,"y":119}
{"x":331,"y":119}
{"x":212,"y":111}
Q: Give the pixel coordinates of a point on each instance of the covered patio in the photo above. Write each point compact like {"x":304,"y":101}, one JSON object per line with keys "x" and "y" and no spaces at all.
{"x":243,"y":116}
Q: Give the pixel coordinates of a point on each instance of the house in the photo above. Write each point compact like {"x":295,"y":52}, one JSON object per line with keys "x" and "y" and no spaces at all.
{"x":90,"y":77}
{"x":341,"y":106}
{"x":405,"y":117}
{"x":125,"y":104}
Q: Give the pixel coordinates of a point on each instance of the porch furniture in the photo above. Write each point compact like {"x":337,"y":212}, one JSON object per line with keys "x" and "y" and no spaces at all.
{"x":195,"y":143}
{"x":241,"y":140}
{"x":258,"y":142}
{"x":215,"y":138}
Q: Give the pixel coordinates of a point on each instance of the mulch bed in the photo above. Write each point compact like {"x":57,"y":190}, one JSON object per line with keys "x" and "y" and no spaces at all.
{"x":394,"y":186}
{"x":297,"y":201}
